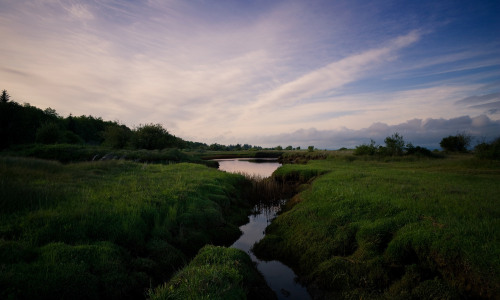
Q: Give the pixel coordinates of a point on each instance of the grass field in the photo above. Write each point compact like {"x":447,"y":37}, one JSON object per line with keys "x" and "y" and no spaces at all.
{"x":110,"y":229}
{"x":399,"y":229}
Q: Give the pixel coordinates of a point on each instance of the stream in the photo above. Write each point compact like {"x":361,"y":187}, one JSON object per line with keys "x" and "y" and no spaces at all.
{"x":280,"y":278}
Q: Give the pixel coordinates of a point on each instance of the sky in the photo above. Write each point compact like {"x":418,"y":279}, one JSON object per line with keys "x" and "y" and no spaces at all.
{"x":263,"y":72}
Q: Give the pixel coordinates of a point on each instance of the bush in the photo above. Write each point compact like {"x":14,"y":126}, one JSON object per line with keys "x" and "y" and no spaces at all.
{"x":366,"y":149}
{"x":48,"y":133}
{"x":489,"y":151}
{"x":394,"y":145}
{"x":116,"y":137}
{"x":152,"y":136}
{"x":457,"y":143}
{"x":421,"y":151}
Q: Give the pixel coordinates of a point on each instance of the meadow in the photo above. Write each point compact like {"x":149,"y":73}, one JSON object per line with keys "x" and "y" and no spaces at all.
{"x":391,"y":227}
{"x":108,"y":229}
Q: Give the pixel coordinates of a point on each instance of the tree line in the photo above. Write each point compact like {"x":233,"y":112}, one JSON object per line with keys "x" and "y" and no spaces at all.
{"x":27,"y":124}
{"x":395,"y":145}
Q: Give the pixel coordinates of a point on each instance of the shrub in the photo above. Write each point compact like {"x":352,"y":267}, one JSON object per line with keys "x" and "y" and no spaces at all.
{"x":412,"y":150}
{"x":152,"y":136}
{"x":490,"y":151}
{"x":394,"y":144}
{"x":48,"y":133}
{"x":366,"y":149}
{"x":116,"y":136}
{"x":457,"y":143}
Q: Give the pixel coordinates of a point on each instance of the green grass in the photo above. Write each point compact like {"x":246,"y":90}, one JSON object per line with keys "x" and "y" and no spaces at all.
{"x":406,"y":228}
{"x":68,"y":153}
{"x":216,"y":273}
{"x":108,"y":229}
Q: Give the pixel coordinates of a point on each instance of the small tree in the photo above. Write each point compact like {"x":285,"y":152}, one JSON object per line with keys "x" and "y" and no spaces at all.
{"x":310,"y":148}
{"x":394,"y":144}
{"x":152,"y":136}
{"x":366,"y":149}
{"x":48,"y":133}
{"x":116,"y":136}
{"x":5,"y":97}
{"x":456,"y":143}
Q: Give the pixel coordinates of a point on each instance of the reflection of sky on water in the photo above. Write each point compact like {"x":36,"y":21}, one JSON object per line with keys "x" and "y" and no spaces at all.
{"x":280,"y":278}
{"x":263,"y":169}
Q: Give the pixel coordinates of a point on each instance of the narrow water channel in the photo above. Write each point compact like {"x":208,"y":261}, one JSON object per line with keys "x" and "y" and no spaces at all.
{"x":280,"y":278}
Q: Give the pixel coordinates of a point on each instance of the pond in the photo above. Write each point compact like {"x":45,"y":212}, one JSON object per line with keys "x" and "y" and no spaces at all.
{"x":280,"y":278}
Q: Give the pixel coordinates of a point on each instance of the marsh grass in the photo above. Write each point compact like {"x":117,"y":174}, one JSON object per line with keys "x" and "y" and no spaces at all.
{"x":215,"y":273}
{"x":367,"y":228}
{"x":265,"y":191}
{"x":108,"y":229}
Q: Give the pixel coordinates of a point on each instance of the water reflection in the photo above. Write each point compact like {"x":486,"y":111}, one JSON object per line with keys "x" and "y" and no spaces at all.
{"x":280,"y":278}
{"x":260,"y":167}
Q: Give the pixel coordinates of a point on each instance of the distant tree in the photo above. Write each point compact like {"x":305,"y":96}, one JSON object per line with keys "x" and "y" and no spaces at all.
{"x":420,"y":151}
{"x":310,"y":148}
{"x":152,"y":136}
{"x":51,"y":112}
{"x":366,"y":149}
{"x":48,"y":133}
{"x":456,"y":143}
{"x":488,"y":150}
{"x":298,"y":148}
{"x":289,"y":148}
{"x":116,"y":136}
{"x":5,"y":97}
{"x":394,"y":144}
{"x":278,"y":148}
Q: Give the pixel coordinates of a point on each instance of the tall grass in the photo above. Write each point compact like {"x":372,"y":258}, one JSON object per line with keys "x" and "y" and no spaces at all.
{"x":265,"y":190}
{"x":366,"y":229}
{"x":108,"y":229}
{"x":216,"y":273}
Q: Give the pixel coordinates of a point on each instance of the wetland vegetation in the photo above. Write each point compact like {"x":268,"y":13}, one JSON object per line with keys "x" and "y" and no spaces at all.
{"x":399,"y":228}
{"x":98,"y":210}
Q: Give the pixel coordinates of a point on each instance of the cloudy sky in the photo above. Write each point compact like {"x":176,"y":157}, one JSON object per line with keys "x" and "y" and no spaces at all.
{"x":264,"y":72}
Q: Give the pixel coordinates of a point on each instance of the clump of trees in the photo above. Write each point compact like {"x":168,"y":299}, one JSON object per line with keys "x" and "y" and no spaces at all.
{"x":456,"y":143}
{"x":488,"y":150}
{"x":26,"y":124}
{"x":395,"y":145}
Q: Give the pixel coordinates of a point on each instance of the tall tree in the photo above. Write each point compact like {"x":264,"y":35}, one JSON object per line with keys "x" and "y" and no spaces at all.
{"x":5,"y":97}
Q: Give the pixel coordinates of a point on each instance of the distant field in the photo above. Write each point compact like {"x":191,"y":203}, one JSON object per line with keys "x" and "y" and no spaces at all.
{"x":404,"y":228}
{"x":109,"y":229}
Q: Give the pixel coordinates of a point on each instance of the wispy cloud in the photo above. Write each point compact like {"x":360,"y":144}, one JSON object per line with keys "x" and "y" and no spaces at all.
{"x":333,"y":75}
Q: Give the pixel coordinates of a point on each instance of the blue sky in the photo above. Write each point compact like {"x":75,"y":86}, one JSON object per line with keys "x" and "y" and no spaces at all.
{"x":323,"y":73}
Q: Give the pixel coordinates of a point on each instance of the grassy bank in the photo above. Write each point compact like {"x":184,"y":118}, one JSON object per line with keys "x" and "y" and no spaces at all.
{"x":109,"y":229}
{"x":413,"y":228}
{"x":216,"y":273}
{"x":67,"y":153}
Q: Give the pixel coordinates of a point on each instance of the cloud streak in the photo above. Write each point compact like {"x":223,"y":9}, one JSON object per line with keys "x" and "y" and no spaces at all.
{"x":334,"y":75}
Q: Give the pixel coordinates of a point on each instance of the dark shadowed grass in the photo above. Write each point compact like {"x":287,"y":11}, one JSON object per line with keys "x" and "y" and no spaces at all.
{"x":422,"y":228}
{"x":216,"y":273}
{"x":108,"y":229}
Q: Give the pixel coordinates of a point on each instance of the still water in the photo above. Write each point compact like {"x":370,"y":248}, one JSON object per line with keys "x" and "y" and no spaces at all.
{"x":280,"y":278}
